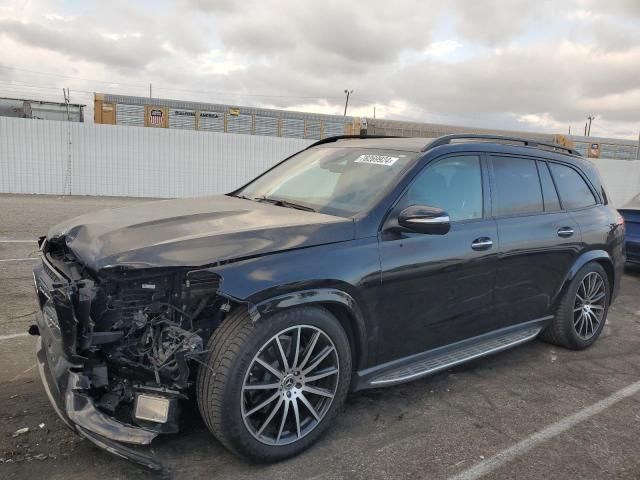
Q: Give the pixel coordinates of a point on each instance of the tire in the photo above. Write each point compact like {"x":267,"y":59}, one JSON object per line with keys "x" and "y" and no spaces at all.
{"x":567,"y":329}
{"x":226,"y":382}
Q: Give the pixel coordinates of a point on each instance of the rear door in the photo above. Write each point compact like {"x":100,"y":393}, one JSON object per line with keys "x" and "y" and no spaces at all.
{"x":579,"y":200}
{"x":539,"y":241}
{"x":437,"y":289}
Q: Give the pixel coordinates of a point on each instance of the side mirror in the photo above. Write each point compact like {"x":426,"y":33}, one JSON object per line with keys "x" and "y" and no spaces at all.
{"x":425,"y":219}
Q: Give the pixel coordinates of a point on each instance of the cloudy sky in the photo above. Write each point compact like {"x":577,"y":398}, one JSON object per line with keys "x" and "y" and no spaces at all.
{"x":521,"y":64}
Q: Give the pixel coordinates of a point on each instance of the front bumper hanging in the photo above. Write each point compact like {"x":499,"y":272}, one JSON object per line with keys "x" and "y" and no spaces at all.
{"x":61,"y":372}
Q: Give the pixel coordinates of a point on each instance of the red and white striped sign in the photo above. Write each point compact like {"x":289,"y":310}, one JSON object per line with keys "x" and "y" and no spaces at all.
{"x":156,"y":116}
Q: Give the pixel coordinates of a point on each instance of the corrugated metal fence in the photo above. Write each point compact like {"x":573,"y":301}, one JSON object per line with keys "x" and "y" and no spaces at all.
{"x":621,"y":177}
{"x":50,"y":157}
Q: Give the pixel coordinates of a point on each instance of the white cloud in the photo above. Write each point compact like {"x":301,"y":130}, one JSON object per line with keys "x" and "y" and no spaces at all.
{"x":534,"y":65}
{"x":443,"y":48}
{"x":120,"y":36}
{"x":55,"y":17}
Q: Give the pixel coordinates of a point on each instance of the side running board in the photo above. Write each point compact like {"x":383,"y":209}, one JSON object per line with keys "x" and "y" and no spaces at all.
{"x":442,"y":358}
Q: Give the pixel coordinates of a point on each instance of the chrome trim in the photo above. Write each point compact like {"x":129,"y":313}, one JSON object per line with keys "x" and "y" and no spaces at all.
{"x":434,"y":220}
{"x":565,"y":232}
{"x":485,"y":243}
{"x":458,"y":362}
{"x":55,"y":271}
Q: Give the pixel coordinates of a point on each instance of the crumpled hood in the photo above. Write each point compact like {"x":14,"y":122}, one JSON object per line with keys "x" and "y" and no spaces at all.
{"x":194,"y":232}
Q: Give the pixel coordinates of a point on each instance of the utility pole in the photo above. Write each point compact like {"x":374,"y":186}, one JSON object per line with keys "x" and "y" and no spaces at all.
{"x":569,"y":129}
{"x":150,"y":95}
{"x":585,"y":129}
{"x":346,"y":103}
{"x":66,"y":102}
{"x":67,"y":176}
{"x":374,"y":111}
{"x":590,"y":118}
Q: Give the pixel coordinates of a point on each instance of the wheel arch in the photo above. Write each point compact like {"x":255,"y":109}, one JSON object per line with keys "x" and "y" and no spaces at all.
{"x":598,"y":256}
{"x":342,"y":305}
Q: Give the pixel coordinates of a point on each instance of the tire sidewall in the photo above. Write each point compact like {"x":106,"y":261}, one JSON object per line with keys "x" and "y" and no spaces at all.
{"x":570,"y":330}
{"x":233,"y":426}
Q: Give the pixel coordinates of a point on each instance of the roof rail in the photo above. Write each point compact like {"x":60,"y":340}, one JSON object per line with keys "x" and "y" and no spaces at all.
{"x":335,"y":138}
{"x":446,"y":140}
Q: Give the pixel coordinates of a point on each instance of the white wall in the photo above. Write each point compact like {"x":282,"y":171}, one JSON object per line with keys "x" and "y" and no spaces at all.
{"x":41,"y":156}
{"x":621,"y":178}
{"x":44,"y":156}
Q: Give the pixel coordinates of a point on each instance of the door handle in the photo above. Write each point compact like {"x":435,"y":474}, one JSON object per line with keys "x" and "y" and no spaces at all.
{"x":565,"y":232}
{"x":482,"y":243}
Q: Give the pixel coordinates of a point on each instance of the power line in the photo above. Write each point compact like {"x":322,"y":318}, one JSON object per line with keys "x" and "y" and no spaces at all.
{"x":207,"y":92}
{"x":58,"y":75}
{"x":37,"y":87}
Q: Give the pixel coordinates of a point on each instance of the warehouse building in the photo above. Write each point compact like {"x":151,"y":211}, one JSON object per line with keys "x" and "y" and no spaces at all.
{"x":42,"y":110}
{"x":176,"y":114}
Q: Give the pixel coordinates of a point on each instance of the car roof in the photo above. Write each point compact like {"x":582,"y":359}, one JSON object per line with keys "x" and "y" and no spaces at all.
{"x":418,"y":144}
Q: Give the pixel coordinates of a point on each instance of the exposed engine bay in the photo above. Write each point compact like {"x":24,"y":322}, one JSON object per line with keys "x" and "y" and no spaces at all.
{"x":140,"y":333}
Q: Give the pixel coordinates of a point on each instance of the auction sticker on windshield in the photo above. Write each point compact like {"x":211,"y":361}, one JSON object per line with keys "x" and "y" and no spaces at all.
{"x":376,"y":159}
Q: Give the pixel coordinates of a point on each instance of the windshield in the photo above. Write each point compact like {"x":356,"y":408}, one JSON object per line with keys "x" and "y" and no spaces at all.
{"x":336,"y":181}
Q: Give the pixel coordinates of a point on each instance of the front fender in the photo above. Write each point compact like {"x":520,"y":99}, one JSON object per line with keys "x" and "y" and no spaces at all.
{"x":315,"y":296}
{"x":345,"y":275}
{"x":322,"y":296}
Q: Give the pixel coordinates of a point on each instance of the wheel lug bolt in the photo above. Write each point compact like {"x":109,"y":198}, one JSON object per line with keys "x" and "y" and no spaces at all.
{"x":288,"y":394}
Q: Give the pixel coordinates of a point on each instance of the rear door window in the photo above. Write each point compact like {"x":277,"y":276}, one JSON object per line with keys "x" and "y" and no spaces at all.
{"x":517,"y":186}
{"x":574,"y":191}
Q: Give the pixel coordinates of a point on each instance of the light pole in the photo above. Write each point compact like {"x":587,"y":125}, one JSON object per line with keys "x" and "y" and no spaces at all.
{"x":590,"y":118}
{"x":346,"y":103}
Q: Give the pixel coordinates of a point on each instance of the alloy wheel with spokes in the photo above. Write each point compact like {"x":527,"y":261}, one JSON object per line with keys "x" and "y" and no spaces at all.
{"x":290,"y":385}
{"x":589,"y":305}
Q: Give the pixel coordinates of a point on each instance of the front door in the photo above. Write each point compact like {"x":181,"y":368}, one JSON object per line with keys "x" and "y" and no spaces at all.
{"x":437,"y":289}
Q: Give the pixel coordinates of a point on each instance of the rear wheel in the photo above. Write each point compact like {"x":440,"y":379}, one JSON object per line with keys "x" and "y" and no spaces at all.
{"x":582,"y":311}
{"x":270,"y":389}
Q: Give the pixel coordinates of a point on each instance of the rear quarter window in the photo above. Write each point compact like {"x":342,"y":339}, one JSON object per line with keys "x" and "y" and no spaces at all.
{"x":551,"y":200}
{"x":574,"y":191}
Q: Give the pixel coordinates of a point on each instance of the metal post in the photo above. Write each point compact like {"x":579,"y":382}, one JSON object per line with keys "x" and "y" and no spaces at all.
{"x":590,"y":118}
{"x":346,"y":103}
{"x":67,"y":179}
{"x":150,"y":95}
{"x":66,"y":102}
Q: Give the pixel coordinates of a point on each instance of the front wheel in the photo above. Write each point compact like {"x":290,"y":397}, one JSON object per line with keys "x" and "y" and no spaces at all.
{"x":582,"y":311}
{"x":269,"y":389}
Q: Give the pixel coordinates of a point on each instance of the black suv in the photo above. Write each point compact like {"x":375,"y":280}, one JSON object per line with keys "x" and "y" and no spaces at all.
{"x":355,"y":263}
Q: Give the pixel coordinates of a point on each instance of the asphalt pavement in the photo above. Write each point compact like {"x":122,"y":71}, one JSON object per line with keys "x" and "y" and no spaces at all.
{"x":537,"y":411}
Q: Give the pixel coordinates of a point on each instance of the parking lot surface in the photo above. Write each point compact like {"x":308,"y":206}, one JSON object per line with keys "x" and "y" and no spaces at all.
{"x":537,"y":411}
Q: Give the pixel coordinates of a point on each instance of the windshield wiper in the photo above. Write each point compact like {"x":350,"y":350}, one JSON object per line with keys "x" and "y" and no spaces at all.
{"x":284,"y":203}
{"x":244,"y":197}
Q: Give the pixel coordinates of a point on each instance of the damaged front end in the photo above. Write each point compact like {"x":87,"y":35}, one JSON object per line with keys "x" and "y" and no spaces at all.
{"x":119,"y":348}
